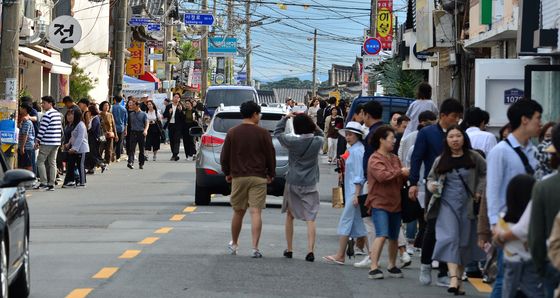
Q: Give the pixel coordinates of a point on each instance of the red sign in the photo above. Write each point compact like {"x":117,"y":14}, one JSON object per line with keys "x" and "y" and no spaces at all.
{"x":384,"y":23}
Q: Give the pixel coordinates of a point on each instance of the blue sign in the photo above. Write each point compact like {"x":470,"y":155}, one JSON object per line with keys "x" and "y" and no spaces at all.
{"x":153,"y":27}
{"x":204,"y":19}
{"x":513,"y":95}
{"x":8,"y":133}
{"x":372,"y":46}
{"x":134,"y":21}
{"x":221,"y":47}
{"x":242,"y":76}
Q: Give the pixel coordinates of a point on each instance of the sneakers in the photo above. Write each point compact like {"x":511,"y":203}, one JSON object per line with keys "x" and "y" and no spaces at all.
{"x":443,"y":281}
{"x":69,"y":185}
{"x":376,"y":274}
{"x":425,"y":274}
{"x":359,"y":251}
{"x":395,"y":272}
{"x":365,"y":263}
{"x":40,"y":186}
{"x":232,"y":248}
{"x":81,"y":186}
{"x":141,"y":167}
{"x":50,"y":188}
{"x":256,"y":254}
{"x":130,"y":166}
{"x":405,"y":260}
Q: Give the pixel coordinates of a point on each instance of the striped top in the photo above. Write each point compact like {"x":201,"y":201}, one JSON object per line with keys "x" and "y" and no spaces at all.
{"x":50,"y":129}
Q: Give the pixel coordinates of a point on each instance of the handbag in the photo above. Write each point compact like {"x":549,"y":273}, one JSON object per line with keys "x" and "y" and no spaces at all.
{"x":337,"y":197}
{"x":410,"y":209}
{"x":362,"y":203}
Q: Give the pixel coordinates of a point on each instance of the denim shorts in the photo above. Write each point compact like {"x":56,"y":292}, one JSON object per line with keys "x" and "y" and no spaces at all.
{"x":387,"y":224}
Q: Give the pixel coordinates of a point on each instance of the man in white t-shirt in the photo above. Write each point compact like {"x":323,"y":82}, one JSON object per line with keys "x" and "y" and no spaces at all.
{"x":476,"y":121}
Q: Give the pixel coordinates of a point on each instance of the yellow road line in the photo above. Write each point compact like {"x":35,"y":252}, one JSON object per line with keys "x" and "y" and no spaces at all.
{"x":177,"y":217}
{"x":189,"y":209}
{"x":130,"y":254}
{"x":79,"y":293}
{"x":106,"y":272}
{"x":164,"y":230}
{"x":480,"y":285}
{"x":149,"y":240}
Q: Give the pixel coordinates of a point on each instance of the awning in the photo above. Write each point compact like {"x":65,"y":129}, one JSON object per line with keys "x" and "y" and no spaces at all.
{"x":150,"y":77}
{"x":56,"y":66}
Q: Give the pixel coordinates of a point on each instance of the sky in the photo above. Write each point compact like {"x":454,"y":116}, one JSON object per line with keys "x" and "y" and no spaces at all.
{"x":283,"y":44}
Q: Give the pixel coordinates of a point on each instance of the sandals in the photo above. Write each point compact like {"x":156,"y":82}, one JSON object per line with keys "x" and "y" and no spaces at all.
{"x":456,"y":290}
{"x":332,"y":260}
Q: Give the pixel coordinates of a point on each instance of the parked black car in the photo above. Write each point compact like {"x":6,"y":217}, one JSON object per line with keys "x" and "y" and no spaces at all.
{"x":14,"y":231}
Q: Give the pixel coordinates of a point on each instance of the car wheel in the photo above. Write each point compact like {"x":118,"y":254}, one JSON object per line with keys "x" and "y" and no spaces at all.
{"x":3,"y":270}
{"x":201,"y":196}
{"x":22,"y":285}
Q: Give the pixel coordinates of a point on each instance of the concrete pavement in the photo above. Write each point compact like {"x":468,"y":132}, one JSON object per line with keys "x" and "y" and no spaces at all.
{"x":136,"y":233}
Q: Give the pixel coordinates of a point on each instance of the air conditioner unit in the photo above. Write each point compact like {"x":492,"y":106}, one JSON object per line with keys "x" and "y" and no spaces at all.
{"x":26,"y":28}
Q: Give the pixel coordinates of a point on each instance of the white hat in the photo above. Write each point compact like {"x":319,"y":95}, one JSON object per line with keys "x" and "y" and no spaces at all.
{"x":354,"y":127}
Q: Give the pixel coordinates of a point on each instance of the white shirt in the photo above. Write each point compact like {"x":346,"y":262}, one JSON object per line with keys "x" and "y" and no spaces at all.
{"x":153,"y":116}
{"x":481,"y":140}
{"x":516,"y":250}
{"x":173,"y":108}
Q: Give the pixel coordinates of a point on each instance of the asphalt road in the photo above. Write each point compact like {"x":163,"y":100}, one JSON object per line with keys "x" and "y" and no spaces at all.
{"x":137,"y":233}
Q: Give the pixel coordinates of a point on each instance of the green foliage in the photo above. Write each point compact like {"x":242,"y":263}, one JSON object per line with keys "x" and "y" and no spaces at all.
{"x":395,"y":80}
{"x":80,"y":82}
{"x":187,"y":52}
{"x":292,"y":83}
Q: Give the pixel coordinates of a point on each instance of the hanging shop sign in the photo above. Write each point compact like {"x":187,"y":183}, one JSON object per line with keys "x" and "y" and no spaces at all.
{"x":65,"y":32}
{"x":135,"y":65}
{"x":384,"y":27}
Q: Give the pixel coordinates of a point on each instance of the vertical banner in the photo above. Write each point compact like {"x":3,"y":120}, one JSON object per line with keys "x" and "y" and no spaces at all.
{"x":384,"y":24}
{"x":135,"y":65}
{"x":369,"y":62}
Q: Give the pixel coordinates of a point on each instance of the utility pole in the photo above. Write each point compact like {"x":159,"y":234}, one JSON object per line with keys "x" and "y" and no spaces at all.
{"x":314,"y":92}
{"x":248,"y":42}
{"x":204,"y":56}
{"x":120,"y":45}
{"x":9,"y":61}
{"x":372,"y":85}
{"x":229,"y":60}
{"x":168,"y":27}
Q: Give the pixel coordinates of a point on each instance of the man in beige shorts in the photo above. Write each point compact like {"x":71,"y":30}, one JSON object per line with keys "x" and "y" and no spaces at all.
{"x":248,"y":160}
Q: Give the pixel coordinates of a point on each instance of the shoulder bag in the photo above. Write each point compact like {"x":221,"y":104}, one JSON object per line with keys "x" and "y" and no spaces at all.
{"x":528,"y":168}
{"x":410,"y":210}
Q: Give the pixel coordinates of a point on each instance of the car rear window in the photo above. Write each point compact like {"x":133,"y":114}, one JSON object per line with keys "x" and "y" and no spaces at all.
{"x":224,"y":121}
{"x":229,"y":97}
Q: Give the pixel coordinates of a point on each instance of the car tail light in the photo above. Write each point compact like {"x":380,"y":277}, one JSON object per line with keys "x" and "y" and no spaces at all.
{"x":210,"y":172}
{"x":211,"y":141}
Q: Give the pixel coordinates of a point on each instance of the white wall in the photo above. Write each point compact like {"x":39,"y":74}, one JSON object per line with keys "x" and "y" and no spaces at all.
{"x":97,"y":68}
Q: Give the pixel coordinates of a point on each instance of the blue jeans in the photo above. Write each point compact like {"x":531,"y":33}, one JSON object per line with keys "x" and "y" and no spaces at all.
{"x":498,"y":284}
{"x":411,"y":229}
{"x":387,"y":224}
{"x":522,"y":276}
{"x":551,"y":279}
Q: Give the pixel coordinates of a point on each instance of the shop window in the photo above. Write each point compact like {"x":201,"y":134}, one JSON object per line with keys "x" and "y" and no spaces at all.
{"x":541,"y":84}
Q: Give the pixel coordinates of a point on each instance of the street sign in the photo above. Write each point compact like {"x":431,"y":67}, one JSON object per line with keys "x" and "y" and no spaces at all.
{"x":372,"y":46}
{"x":222,"y":47}
{"x":204,"y":19}
{"x":138,"y":21}
{"x":153,"y":27}
{"x":156,"y":57}
{"x":513,"y":95}
{"x":65,"y":32}
{"x":219,"y":79}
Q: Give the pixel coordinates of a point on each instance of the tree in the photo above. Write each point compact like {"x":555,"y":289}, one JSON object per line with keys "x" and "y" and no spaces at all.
{"x":395,"y":80}
{"x":291,"y":83}
{"x":80,"y":82}
{"x":186,"y":51}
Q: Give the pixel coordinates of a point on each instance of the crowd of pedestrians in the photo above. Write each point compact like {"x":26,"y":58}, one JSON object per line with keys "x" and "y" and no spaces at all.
{"x":478,"y":200}
{"x":65,"y":145}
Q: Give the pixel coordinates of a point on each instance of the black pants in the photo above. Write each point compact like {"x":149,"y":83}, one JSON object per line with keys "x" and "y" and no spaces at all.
{"x":188,"y":144}
{"x":175,"y":135}
{"x":429,"y":242}
{"x":137,"y":138}
{"x":75,"y":161}
{"x":118,"y":146}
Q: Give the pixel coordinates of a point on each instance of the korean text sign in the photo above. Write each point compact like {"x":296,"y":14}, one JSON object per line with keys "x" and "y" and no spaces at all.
{"x":384,"y":24}
{"x":135,"y":65}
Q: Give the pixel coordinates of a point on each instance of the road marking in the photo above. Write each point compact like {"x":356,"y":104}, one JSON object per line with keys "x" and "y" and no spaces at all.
{"x":163,"y":230}
{"x":105,"y":272}
{"x":480,"y":285}
{"x":79,"y":293}
{"x":130,"y":254}
{"x":177,"y":217}
{"x":189,"y":209}
{"x":149,"y":240}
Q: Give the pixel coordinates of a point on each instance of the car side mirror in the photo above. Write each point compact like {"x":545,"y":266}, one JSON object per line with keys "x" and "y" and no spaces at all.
{"x":196,"y":131}
{"x":13,"y":178}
